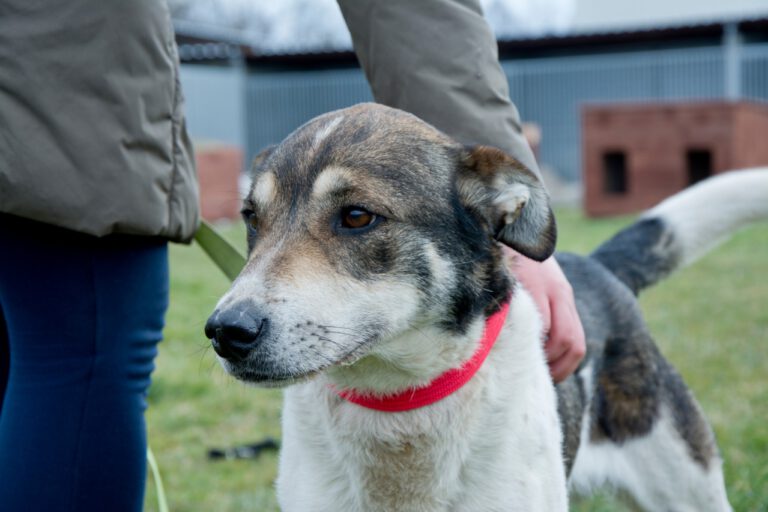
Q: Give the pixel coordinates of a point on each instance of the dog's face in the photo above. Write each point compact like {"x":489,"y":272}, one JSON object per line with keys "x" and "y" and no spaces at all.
{"x":363,"y":225}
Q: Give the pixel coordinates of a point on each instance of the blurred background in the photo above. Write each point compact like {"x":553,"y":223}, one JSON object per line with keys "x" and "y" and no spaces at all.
{"x":254,"y":70}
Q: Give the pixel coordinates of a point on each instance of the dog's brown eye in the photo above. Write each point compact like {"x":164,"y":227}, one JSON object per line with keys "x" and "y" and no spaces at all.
{"x":353,"y":218}
{"x":249,"y":216}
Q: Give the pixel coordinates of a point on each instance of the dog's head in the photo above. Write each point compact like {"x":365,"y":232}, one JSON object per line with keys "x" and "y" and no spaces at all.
{"x":364,"y":225}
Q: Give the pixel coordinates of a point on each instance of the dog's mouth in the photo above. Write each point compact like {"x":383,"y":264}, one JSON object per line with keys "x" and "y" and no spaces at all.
{"x":276,"y":376}
{"x":270,"y":380}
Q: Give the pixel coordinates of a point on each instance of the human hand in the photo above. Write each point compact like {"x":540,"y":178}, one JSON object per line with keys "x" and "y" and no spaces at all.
{"x":565,"y":345}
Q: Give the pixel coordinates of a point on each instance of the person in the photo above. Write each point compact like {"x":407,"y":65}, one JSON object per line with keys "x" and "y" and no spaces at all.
{"x":96,"y":176}
{"x":439,"y":61}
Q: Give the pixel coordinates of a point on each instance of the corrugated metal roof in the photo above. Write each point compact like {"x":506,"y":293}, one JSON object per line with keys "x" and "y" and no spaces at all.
{"x":193,"y":34}
{"x":210,"y":32}
{"x":643,"y":27}
{"x":697,"y":23}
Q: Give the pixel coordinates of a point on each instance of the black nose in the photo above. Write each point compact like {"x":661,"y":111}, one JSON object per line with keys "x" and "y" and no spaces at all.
{"x":235,"y":331}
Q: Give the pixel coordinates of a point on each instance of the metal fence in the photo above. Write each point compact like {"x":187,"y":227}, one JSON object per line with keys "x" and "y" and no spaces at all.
{"x":549,"y":91}
{"x":754,"y":71}
{"x":214,"y":102}
{"x":279,"y":102}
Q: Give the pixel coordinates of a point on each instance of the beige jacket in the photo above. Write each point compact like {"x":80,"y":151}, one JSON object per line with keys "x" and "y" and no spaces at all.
{"x":92,"y":134}
{"x":439,"y":61}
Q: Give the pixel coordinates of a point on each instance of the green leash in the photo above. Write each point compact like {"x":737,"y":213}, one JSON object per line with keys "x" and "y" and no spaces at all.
{"x":230,"y":261}
{"x":162,"y":503}
{"x":223,"y":254}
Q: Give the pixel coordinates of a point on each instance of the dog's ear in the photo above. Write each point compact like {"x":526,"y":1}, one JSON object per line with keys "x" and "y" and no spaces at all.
{"x":512,"y":199}
{"x":259,"y":160}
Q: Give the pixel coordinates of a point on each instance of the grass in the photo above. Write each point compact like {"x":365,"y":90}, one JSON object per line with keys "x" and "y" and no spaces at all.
{"x":711,"y":320}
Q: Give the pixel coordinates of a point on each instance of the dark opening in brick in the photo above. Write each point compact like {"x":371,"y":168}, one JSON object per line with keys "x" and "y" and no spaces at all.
{"x":699,"y":164}
{"x":615,"y":172}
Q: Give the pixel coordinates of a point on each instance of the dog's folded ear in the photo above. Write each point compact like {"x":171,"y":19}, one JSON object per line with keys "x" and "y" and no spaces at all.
{"x":511,"y":198}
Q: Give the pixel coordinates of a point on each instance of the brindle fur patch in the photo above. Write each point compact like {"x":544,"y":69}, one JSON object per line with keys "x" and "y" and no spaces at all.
{"x":571,"y":401}
{"x":627,"y":397}
{"x":632,"y":383}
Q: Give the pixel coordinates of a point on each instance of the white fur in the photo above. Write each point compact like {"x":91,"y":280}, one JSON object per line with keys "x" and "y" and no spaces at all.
{"x":703,"y":215}
{"x":329,"y":179}
{"x":512,"y":199}
{"x":325,"y":131}
{"x":417,"y":356}
{"x":264,"y":189}
{"x":482,"y":448}
{"x":655,"y":470}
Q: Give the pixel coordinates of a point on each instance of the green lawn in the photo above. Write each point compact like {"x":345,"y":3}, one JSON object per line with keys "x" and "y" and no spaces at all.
{"x":711,"y":320}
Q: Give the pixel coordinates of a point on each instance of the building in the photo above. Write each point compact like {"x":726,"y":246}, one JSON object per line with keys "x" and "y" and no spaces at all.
{"x":635,"y":155}
{"x":255,"y":100}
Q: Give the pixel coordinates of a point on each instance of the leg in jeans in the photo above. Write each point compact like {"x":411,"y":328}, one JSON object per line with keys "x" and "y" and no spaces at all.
{"x":83,"y":317}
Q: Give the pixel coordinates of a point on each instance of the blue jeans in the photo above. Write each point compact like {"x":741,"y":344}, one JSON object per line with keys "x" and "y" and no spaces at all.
{"x":80,"y":319}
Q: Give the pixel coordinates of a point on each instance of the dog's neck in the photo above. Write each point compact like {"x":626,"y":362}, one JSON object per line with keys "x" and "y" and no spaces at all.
{"x":405,"y":361}
{"x":444,"y":384}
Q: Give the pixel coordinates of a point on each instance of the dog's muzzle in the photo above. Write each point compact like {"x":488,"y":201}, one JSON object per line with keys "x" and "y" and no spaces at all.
{"x":236,"y":331}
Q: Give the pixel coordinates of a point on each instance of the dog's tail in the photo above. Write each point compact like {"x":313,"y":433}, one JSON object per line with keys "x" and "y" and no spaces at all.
{"x":684,"y":227}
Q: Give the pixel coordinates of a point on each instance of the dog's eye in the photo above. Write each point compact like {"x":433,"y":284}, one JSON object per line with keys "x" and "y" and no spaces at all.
{"x":249,"y":216}
{"x":354,"y":217}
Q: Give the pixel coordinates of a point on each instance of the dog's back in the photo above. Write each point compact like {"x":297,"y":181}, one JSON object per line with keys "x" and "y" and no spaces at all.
{"x":628,"y":419}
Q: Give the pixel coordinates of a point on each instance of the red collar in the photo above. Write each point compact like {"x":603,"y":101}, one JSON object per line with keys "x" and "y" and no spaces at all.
{"x":444,"y":384}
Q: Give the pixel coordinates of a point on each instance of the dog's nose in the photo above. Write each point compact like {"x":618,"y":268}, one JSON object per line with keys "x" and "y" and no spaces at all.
{"x":234,"y":332}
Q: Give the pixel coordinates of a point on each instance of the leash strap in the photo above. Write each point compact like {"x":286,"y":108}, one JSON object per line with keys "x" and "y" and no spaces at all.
{"x":230,"y":261}
{"x":162,"y":502}
{"x":224,"y":255}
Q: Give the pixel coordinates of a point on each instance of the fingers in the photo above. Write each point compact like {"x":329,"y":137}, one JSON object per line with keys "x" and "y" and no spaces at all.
{"x":566,"y":345}
{"x":562,"y":366}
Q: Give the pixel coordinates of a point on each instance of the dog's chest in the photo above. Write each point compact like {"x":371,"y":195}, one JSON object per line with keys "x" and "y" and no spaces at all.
{"x":492,"y":445}
{"x":465,"y":458}
{"x":401,"y":474}
{"x":350,"y":458}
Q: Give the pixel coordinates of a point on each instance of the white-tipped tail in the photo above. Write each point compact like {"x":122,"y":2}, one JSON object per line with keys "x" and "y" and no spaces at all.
{"x":686,"y":226}
{"x":706,"y":214}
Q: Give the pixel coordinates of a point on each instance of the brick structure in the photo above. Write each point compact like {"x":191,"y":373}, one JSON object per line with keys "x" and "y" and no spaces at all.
{"x":218,"y":170}
{"x":636,"y":155}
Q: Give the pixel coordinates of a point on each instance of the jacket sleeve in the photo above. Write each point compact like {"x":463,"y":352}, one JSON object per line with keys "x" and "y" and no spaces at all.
{"x":92,"y":131}
{"x":438,"y":60}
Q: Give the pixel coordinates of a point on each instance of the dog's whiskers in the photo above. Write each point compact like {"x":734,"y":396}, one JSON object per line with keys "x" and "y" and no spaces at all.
{"x":329,"y":340}
{"x":354,"y":334}
{"x":338,"y":327}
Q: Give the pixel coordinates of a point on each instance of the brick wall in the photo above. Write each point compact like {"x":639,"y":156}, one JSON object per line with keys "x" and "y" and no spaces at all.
{"x":218,"y":170}
{"x":635,"y":155}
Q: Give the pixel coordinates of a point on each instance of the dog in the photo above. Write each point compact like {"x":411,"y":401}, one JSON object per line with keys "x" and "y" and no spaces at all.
{"x":376,"y":290}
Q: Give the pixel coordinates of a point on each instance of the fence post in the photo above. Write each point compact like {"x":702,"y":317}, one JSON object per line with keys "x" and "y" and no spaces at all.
{"x":732,"y":47}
